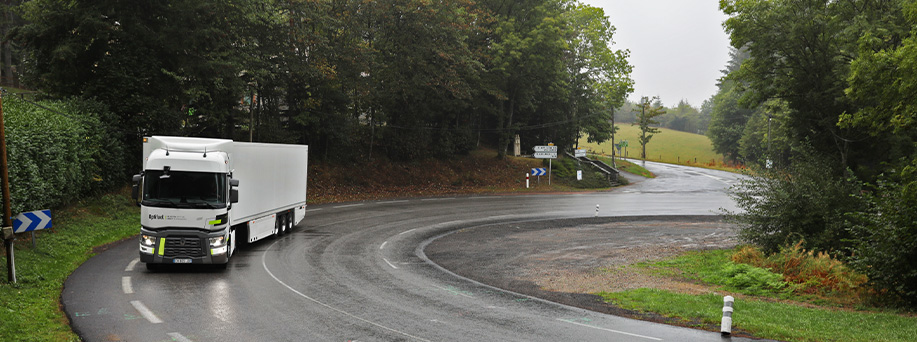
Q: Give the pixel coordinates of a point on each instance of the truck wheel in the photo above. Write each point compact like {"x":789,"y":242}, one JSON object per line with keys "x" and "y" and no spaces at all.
{"x":278,"y":225}
{"x":288,"y":227}
{"x":285,"y":224}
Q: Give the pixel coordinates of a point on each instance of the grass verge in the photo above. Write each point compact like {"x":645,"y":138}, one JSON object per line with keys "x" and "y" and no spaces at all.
{"x":781,"y":308}
{"x":774,"y":320}
{"x":29,"y":309}
{"x":628,"y":167}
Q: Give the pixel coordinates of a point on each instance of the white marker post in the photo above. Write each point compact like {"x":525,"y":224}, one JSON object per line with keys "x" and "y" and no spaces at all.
{"x":596,"y":210}
{"x":726,"y":323}
{"x":526,"y":180}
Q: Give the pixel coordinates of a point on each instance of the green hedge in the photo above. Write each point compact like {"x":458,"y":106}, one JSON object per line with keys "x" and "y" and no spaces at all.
{"x":59,"y":155}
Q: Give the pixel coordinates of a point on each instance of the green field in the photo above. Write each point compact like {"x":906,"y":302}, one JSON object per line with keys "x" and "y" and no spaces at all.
{"x":666,"y":146}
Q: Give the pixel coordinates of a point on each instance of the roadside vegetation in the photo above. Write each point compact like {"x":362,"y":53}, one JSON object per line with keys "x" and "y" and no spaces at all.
{"x":30,"y":309}
{"x":794,"y":294}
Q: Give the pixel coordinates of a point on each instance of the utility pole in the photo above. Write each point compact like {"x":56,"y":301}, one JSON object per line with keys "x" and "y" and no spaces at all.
{"x":8,"y":235}
{"x":768,"y":161}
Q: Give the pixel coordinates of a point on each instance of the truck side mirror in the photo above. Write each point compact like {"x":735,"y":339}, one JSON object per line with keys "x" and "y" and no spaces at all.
{"x":233,"y":192}
{"x":135,"y":189}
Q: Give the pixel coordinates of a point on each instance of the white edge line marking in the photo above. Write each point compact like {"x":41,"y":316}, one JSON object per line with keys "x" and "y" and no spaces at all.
{"x":383,"y":245}
{"x":264,"y":264}
{"x":713,"y":177}
{"x":437,"y":199}
{"x":178,"y":337}
{"x":407,"y":231}
{"x":390,"y":202}
{"x":609,"y":330}
{"x":390,"y":264}
{"x":126,"y":285}
{"x":130,"y":266}
{"x":145,"y":312}
{"x":349,"y":205}
{"x":308,"y":210}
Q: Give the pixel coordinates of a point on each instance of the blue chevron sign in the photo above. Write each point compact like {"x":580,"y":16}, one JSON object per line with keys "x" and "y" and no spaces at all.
{"x":539,"y":171}
{"x":33,"y":220}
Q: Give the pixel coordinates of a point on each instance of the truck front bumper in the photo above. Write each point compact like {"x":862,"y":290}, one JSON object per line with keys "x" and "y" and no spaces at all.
{"x":180,"y":246}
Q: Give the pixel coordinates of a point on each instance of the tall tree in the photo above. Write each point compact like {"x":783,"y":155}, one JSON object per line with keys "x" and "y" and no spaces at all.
{"x":646,"y":115}
{"x":800,"y":51}
{"x":599,"y":77}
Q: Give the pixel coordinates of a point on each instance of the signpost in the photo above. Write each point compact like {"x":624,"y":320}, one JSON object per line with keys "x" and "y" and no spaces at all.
{"x":548,"y":152}
{"x":580,"y":153}
{"x":539,"y":171}
{"x":549,"y":148}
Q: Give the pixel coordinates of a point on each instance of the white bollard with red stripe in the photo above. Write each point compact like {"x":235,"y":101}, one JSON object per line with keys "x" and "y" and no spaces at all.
{"x":526,"y":180}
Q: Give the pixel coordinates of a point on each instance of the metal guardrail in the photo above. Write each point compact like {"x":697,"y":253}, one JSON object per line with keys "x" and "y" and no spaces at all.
{"x":609,"y":171}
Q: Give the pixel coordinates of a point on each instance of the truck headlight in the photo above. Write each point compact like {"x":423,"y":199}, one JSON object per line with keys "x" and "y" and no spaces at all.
{"x":218,"y":241}
{"x":147,"y":240}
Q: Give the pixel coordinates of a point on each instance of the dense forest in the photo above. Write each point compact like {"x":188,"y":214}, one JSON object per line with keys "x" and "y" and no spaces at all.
{"x":819,"y":99}
{"x":403,"y":79}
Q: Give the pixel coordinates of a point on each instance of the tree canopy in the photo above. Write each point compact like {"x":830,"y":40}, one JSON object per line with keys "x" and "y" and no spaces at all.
{"x":407,"y":79}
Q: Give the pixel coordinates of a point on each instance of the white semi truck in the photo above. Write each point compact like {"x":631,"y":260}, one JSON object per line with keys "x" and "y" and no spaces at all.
{"x":199,"y":196}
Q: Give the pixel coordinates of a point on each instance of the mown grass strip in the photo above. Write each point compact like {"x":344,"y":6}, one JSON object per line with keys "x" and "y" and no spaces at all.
{"x":29,"y":309}
{"x":773,"y":320}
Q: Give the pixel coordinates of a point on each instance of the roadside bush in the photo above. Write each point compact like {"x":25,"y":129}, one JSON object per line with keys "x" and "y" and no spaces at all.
{"x":752,"y":280}
{"x":885,"y":240}
{"x":54,"y":158}
{"x":807,"y":271}
{"x":807,"y":201}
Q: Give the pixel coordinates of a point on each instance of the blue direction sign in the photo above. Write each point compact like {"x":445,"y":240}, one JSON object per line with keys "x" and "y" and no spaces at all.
{"x":33,"y":220}
{"x":539,"y":171}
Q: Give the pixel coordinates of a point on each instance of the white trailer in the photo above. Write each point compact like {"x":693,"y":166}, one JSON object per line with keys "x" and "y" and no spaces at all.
{"x":199,"y":196}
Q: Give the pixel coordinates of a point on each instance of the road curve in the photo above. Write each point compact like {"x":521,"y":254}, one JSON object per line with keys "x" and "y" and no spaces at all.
{"x":357,"y":272}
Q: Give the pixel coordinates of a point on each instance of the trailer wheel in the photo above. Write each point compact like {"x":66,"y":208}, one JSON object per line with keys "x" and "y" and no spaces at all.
{"x":278,"y":225}
{"x":285,"y":225}
{"x":289,"y":222}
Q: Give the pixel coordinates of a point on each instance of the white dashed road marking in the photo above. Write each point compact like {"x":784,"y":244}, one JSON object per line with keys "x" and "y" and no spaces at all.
{"x":126,"y":285}
{"x":130,"y":266}
{"x":145,"y":312}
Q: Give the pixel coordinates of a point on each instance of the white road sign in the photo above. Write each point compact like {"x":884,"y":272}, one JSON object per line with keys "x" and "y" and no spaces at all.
{"x":546,"y":149}
{"x":546,"y":155}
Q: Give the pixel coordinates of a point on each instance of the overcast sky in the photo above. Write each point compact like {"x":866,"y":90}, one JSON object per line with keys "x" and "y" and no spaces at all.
{"x":677,"y":47}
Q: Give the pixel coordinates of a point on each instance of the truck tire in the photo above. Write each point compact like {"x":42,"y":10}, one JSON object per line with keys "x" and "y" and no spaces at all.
{"x":286,"y":223}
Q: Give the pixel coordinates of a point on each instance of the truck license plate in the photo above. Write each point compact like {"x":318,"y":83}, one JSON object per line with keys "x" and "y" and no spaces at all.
{"x":181,"y":261}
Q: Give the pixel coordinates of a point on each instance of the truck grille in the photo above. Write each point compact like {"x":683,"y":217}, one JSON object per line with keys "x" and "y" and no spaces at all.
{"x":183,"y":246}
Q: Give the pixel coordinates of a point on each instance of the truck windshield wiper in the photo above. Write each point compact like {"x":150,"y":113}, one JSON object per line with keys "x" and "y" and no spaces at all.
{"x":205,"y":205}
{"x":159,"y":203}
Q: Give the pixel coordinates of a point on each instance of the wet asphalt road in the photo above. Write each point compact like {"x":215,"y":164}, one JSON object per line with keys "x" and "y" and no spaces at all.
{"x":357,"y":272}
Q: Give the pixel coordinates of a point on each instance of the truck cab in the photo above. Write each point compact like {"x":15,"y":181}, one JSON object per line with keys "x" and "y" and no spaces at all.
{"x":185,"y":194}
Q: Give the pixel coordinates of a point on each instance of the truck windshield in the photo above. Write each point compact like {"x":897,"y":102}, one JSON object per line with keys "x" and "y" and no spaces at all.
{"x":182,"y":189}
